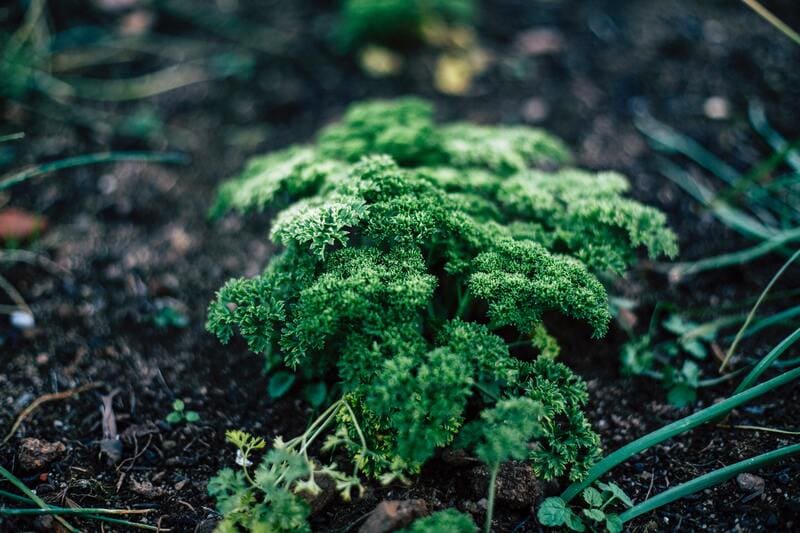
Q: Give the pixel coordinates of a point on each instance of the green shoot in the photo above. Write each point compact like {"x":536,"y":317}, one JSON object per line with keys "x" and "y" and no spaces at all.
{"x":677,"y":428}
{"x":708,"y":480}
{"x":752,"y":313}
{"x":16,"y":177}
{"x":180,"y":414}
{"x":555,"y":512}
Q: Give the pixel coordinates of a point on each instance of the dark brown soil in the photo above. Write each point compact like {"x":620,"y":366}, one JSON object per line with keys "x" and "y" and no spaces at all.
{"x":129,"y":238}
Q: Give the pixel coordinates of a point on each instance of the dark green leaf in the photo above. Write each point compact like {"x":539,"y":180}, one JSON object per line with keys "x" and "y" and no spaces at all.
{"x":553,"y":512}
{"x":593,"y":497}
{"x":316,"y":393}
{"x":613,"y":523}
{"x":594,"y":514}
{"x":681,"y":396}
{"x":695,"y":348}
{"x":174,"y":417}
{"x":678,"y":325}
{"x":616,"y":491}
{"x":280,"y":383}
{"x":574,"y":522}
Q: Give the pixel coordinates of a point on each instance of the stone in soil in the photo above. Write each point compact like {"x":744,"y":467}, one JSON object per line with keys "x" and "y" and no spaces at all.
{"x":390,"y":515}
{"x":34,"y":454}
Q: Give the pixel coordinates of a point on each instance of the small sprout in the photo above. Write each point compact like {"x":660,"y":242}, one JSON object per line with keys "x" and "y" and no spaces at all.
{"x":179,"y":414}
{"x":170,"y":317}
{"x":555,"y":512}
{"x":267,"y":500}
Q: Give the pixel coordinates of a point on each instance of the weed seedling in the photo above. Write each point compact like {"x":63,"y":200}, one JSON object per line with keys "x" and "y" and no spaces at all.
{"x":555,"y":512}
{"x":180,"y":415}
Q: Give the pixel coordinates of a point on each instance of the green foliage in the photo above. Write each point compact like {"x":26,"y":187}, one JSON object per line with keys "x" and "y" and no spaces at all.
{"x":449,"y":520}
{"x":503,"y":432}
{"x":179,"y":413}
{"x":396,"y":21}
{"x":567,"y":445}
{"x":403,"y":130}
{"x":280,"y":383}
{"x":170,"y":317}
{"x":273,"y":498}
{"x":411,"y":267}
{"x":555,"y":512}
{"x":675,"y":360}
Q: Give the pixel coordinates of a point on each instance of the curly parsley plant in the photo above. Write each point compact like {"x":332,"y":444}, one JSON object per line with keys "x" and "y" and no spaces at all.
{"x":419,"y":264}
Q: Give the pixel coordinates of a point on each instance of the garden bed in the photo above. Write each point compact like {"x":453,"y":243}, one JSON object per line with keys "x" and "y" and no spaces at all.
{"x":131,"y":239}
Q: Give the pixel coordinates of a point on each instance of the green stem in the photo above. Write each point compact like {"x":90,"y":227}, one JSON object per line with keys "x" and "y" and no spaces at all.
{"x":767,"y":361}
{"x":487,"y":528}
{"x":708,"y":480}
{"x":676,"y":428}
{"x":767,"y":15}
{"x":21,"y":499}
{"x":33,"y":497}
{"x":681,"y":270}
{"x":65,"y":510}
{"x":752,"y":313}
{"x":13,"y":178}
{"x":11,"y":137}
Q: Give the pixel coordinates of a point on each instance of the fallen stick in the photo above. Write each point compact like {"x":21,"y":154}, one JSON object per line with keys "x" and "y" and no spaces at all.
{"x":44,"y":399}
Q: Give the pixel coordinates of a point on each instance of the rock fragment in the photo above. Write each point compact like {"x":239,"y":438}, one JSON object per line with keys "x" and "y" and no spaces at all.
{"x":390,"y":515}
{"x":35,"y":454}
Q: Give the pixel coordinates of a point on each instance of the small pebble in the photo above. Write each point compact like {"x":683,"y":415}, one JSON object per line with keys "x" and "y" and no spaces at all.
{"x":716,"y":108}
{"x":535,"y":110}
{"x":750,"y":482}
{"x":22,"y":320}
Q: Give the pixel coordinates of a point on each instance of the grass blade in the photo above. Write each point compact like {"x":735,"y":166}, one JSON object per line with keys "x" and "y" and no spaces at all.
{"x":101,"y":518}
{"x":767,"y":15}
{"x":758,"y":118}
{"x":764,"y":323}
{"x":708,"y":480}
{"x":676,"y":428}
{"x":14,"y":480}
{"x":11,"y":137}
{"x":752,"y":313}
{"x":669,"y":140}
{"x":734,"y":218}
{"x":681,"y":270}
{"x":767,"y":361}
{"x":13,"y":178}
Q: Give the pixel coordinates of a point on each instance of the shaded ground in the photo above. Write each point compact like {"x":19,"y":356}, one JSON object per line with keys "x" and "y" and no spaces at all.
{"x":129,"y":238}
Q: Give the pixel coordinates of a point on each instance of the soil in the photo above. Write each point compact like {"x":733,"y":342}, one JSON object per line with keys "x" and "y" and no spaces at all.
{"x":129,"y":239}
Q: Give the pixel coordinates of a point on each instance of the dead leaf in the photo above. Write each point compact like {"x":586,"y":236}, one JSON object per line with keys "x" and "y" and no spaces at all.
{"x":380,"y":62}
{"x":19,"y":225}
{"x":455,"y":71}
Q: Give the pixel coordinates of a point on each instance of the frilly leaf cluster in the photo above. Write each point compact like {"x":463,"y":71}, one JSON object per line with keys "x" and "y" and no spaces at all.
{"x":396,"y":22}
{"x":420,"y":263}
